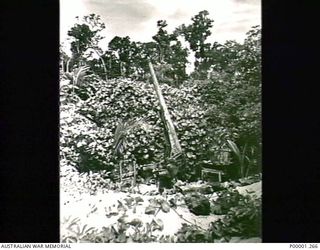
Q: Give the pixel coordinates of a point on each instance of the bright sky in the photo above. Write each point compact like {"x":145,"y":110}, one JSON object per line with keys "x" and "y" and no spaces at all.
{"x":138,"y":18}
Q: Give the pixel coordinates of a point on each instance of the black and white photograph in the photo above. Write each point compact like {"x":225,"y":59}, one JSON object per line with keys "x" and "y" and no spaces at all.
{"x":160,"y":121}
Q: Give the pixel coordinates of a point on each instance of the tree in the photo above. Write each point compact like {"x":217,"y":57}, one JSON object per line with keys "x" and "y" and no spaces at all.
{"x":196,"y":34}
{"x":140,"y":54}
{"x":178,"y":59}
{"x":123,"y":48}
{"x":163,"y":39}
{"x":85,"y":40}
{"x":233,"y":93}
{"x":172,"y":57}
{"x":64,"y":60}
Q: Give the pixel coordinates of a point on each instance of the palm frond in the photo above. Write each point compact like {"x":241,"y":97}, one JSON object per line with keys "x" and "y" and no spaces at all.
{"x":124,"y":128}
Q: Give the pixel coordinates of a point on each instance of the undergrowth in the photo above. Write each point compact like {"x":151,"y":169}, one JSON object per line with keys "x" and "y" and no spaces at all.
{"x":241,"y":218}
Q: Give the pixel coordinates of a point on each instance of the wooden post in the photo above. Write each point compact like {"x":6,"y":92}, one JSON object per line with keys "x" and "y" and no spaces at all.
{"x":170,"y":132}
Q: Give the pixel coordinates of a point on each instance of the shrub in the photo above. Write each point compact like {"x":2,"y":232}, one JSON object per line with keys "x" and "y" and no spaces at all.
{"x":242,"y":219}
{"x":89,"y":122}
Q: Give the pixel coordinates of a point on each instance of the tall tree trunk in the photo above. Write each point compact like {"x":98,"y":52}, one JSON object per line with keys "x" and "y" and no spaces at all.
{"x":67,"y":66}
{"x":62,"y":64}
{"x":170,"y":133}
{"x":104,"y":68}
{"x":103,"y":64}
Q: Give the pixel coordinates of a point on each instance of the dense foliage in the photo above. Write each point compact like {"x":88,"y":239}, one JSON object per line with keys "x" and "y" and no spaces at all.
{"x":242,"y":219}
{"x":112,"y":114}
{"x":234,"y":94}
{"x":91,"y":113}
